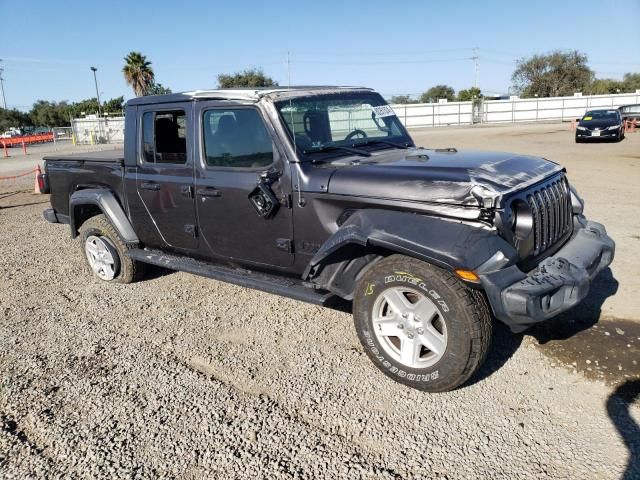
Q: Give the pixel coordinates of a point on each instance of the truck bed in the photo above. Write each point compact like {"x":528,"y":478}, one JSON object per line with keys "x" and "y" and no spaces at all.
{"x":116,"y":155}
{"x":66,"y":173}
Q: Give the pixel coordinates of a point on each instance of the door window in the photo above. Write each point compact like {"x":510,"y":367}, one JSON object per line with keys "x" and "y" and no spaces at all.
{"x":164,"y":137}
{"x":236,"y":138}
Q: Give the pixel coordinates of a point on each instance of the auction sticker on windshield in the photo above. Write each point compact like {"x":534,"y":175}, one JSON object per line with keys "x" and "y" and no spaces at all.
{"x":383,"y":111}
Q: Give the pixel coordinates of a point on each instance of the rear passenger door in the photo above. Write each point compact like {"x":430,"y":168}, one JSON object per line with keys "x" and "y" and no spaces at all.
{"x":164,"y":176}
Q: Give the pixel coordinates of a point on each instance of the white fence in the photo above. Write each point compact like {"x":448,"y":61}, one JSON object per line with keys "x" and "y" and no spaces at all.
{"x":89,"y":131}
{"x":111,"y":130}
{"x":508,"y":111}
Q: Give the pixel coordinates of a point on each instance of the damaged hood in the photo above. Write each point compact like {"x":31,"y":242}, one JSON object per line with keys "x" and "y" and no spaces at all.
{"x":438,"y":176}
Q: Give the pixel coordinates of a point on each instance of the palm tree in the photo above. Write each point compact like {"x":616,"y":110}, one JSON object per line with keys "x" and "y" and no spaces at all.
{"x":138,"y":73}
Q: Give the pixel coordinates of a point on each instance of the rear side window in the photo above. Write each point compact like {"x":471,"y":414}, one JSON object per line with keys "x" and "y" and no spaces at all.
{"x":164,"y":137}
{"x":236,"y":138}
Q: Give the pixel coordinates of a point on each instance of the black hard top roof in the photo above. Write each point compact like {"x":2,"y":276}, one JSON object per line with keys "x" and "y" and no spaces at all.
{"x":242,"y":94}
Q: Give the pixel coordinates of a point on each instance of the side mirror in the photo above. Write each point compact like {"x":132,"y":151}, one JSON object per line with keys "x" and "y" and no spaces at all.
{"x":263,"y":200}
{"x":262,"y":197}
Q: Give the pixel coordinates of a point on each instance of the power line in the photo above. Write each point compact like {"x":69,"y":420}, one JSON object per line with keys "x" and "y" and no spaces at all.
{"x":383,"y":62}
{"x":361,"y":53}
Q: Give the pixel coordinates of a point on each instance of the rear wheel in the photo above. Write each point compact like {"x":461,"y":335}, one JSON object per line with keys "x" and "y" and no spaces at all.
{"x":105,"y":252}
{"x":420,"y":325}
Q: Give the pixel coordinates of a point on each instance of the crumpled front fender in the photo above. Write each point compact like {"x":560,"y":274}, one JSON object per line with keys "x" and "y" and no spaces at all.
{"x":448,"y":244}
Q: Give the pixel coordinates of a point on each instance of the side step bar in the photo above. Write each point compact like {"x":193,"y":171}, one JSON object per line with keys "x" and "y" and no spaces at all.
{"x":284,"y":286}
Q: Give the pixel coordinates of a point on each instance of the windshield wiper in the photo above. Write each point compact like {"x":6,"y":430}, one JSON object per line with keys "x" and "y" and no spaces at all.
{"x":328,"y":148}
{"x":384,"y":142}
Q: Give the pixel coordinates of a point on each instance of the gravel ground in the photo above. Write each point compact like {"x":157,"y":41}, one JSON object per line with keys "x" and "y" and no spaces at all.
{"x":181,"y":376}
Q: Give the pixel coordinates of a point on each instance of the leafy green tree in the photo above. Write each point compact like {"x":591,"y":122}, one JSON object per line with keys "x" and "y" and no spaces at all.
{"x":90,"y":107}
{"x":552,"y":75}
{"x":13,"y":119}
{"x":59,"y":114}
{"x":86,"y":107}
{"x":402,"y":99}
{"x":601,"y":86}
{"x":438,"y":92}
{"x":50,"y":114}
{"x":253,"y":77}
{"x":469,"y":94}
{"x":115,"y":105}
{"x":138,"y":73}
{"x":631,"y":82}
{"x":157,"y":89}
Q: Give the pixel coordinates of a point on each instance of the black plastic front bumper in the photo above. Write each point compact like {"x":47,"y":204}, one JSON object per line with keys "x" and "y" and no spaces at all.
{"x":557,"y":284}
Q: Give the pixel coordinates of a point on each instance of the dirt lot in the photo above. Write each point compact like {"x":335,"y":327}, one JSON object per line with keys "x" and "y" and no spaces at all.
{"x":180,"y":376}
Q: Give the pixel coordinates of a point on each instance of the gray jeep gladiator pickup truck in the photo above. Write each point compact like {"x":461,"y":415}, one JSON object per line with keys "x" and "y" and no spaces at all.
{"x":316,"y":193}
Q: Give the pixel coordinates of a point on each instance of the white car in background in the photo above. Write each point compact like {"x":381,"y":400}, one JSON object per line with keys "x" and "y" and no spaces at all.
{"x":11,"y":133}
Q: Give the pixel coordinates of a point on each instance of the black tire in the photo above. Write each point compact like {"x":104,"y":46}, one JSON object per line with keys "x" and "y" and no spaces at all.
{"x":126,"y":269}
{"x":464,"y":311}
{"x":578,"y":140}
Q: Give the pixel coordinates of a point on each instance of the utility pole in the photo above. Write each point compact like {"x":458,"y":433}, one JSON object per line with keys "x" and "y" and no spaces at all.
{"x":288,"y":69}
{"x":4,"y":100}
{"x":95,"y":79}
{"x":476,"y":59}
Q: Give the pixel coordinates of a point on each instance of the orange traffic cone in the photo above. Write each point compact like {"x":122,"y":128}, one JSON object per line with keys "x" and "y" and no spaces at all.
{"x":36,"y":186}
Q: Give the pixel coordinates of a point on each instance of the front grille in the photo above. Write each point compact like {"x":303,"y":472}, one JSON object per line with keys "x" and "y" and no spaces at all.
{"x":552,"y":213}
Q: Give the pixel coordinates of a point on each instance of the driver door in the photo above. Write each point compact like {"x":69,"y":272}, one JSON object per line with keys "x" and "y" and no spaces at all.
{"x":237,"y":148}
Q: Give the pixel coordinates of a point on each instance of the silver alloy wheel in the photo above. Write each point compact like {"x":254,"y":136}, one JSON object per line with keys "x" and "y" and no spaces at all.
{"x":100,"y":257}
{"x":409,"y":327}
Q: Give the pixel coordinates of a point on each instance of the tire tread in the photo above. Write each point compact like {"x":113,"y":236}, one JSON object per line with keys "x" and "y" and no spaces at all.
{"x":130,"y":270}
{"x":475,"y":307}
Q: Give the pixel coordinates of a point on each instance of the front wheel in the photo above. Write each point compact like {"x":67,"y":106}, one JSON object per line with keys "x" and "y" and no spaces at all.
{"x":420,"y":325}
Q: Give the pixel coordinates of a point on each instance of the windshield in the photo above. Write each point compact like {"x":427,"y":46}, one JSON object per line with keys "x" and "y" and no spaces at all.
{"x":601,"y":115}
{"x":324,"y":124}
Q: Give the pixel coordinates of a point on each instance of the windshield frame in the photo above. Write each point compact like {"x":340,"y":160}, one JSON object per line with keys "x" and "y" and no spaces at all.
{"x":403,"y":138}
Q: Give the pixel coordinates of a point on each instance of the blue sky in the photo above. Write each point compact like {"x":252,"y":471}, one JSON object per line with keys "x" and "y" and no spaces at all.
{"x":400,"y":47}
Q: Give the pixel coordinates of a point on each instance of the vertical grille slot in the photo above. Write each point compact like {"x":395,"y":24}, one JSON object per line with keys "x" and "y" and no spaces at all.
{"x":544,"y":220}
{"x":535,"y":212}
{"x":552,"y":215}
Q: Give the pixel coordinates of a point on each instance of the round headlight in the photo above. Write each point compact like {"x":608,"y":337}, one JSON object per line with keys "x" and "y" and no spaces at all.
{"x":521,"y":219}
